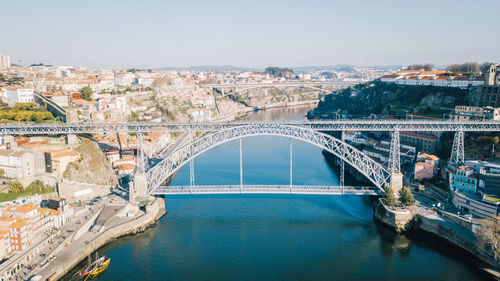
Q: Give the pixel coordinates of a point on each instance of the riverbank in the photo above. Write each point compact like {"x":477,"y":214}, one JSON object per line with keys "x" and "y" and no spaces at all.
{"x":79,"y":249}
{"x":249,"y":109}
{"x":439,"y":224}
{"x":287,"y":104}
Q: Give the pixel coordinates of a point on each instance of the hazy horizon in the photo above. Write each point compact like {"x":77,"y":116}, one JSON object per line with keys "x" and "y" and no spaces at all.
{"x":156,"y":34}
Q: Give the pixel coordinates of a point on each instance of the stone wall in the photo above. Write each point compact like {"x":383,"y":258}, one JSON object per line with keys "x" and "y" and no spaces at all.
{"x":455,"y":238}
{"x":67,"y":190}
{"x":399,"y":220}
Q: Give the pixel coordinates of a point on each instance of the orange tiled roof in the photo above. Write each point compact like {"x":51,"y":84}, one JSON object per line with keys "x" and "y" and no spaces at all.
{"x":17,"y":225}
{"x":125,"y":167}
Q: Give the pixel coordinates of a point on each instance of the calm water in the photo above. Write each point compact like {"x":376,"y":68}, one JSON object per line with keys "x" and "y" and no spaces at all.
{"x":276,"y":237}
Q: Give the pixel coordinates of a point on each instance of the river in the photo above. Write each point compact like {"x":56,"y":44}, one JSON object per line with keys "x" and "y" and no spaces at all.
{"x":277,"y":237}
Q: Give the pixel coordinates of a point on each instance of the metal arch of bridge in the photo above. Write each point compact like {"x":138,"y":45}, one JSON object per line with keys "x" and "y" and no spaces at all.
{"x":239,"y":89}
{"x":330,"y":125}
{"x":158,"y":174}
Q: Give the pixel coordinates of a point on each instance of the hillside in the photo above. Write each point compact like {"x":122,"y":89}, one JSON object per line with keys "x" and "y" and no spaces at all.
{"x":388,"y":99}
{"x":92,"y":167}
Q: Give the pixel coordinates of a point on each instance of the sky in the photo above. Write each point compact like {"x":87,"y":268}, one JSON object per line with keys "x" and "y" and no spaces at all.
{"x":250,"y":33}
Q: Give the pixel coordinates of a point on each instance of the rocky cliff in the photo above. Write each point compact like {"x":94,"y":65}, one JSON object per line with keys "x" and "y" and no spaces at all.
{"x":92,"y":167}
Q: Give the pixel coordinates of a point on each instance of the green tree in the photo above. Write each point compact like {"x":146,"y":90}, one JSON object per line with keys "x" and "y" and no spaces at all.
{"x":406,"y":197}
{"x":87,"y":93}
{"x":2,"y":173}
{"x":388,"y":197}
{"x":36,"y":186}
{"x":16,"y":187}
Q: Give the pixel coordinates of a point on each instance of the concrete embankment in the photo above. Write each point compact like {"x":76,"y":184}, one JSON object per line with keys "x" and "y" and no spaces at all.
{"x":154,"y":211}
{"x":440,"y":224}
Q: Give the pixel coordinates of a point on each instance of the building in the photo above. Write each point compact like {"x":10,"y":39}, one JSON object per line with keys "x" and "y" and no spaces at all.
{"x":19,"y":236}
{"x":489,"y":180}
{"x":4,"y":61}
{"x":493,"y":75}
{"x":422,"y":142}
{"x":431,"y":78}
{"x":463,"y":179}
{"x":428,"y":158}
{"x":477,"y":205}
{"x":123,"y":78}
{"x":16,"y":164}
{"x":15,"y":94}
{"x":423,"y":170}
{"x":56,"y":160}
{"x":354,"y":137}
{"x":200,"y":114}
{"x":465,"y":113}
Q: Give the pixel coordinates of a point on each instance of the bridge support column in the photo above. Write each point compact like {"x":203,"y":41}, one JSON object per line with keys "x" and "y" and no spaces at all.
{"x":191,"y":165}
{"x":142,"y":158}
{"x":291,"y":164}
{"x":396,"y":182}
{"x":395,"y":164}
{"x":137,"y":188}
{"x":457,"y":151}
{"x":342,"y":163}
{"x":241,"y":164}
{"x":394,"y":155}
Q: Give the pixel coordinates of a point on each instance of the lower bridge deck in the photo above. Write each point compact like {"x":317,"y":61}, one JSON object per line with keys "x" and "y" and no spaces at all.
{"x":268,"y":189}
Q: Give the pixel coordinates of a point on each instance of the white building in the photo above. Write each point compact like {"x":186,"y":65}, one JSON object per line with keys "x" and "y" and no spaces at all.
{"x":4,"y":61}
{"x":123,"y":78}
{"x":16,"y":164}
{"x":354,"y":137}
{"x":200,"y":114}
{"x":15,"y":94}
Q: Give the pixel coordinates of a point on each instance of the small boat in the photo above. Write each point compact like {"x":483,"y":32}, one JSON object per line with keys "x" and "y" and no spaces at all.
{"x":94,"y":268}
{"x":91,"y":266}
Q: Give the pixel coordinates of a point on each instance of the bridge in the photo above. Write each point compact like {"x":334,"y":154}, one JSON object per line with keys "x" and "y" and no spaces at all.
{"x":268,"y":189}
{"x":313,"y":85}
{"x":373,"y":125}
{"x":149,"y":180}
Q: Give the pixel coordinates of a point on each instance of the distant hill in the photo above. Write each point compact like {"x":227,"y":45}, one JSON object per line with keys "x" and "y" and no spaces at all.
{"x":297,"y":69}
{"x":210,"y":68}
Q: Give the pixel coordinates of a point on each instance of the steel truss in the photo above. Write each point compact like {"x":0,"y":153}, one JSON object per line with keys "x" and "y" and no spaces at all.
{"x":155,"y":176}
{"x":394,"y":155}
{"x":457,"y":151}
{"x":333,"y":125}
{"x":263,"y":189}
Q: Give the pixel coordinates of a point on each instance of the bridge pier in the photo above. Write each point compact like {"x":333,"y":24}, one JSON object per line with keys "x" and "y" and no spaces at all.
{"x":137,"y":188}
{"x":291,"y":164}
{"x":396,"y":182}
{"x":457,"y":151}
{"x":342,"y":167}
{"x":241,"y":163}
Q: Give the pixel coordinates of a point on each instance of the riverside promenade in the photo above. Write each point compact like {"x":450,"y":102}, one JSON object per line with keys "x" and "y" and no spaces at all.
{"x":88,"y":239}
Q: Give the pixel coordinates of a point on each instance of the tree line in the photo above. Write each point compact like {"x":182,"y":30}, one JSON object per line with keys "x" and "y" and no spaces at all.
{"x":279,"y":72}
{"x":468,"y":68}
{"x":24,"y":112}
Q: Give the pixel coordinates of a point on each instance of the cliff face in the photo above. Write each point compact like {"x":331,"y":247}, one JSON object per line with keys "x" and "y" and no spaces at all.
{"x":389,"y":99}
{"x":92,"y":167}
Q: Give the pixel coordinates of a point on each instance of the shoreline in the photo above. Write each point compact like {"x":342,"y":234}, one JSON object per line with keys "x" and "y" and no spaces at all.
{"x":155,"y":210}
{"x":410,"y":222}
